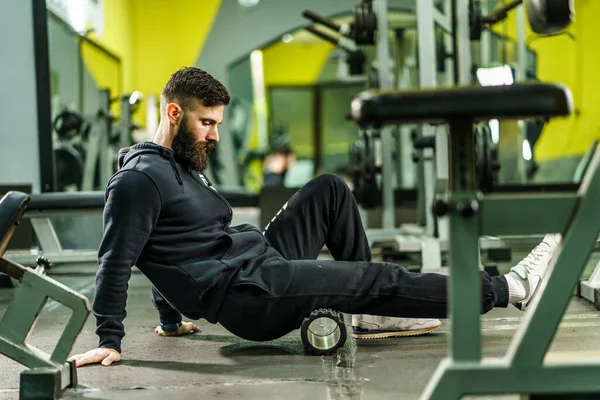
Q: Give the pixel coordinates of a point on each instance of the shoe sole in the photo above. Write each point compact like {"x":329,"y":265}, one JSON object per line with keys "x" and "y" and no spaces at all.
{"x":385,"y":335}
{"x":523,"y":305}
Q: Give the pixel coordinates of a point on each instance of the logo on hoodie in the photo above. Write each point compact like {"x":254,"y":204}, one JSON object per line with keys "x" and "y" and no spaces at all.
{"x":206,"y":182}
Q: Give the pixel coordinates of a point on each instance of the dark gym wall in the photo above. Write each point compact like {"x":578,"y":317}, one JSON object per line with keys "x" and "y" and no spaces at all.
{"x":237,"y":31}
{"x":19,"y":152}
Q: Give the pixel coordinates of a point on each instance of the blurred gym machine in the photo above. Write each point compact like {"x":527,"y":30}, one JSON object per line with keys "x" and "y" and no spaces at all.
{"x":378,"y":158}
{"x":527,"y":368}
{"x":86,"y":146}
{"x":372,"y":169}
{"x":350,"y":37}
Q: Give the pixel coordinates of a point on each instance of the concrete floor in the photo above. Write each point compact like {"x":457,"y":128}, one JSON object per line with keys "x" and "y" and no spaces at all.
{"x":215,"y":364}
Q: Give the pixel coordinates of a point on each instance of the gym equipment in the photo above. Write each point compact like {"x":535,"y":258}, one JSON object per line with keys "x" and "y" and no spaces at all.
{"x":549,"y":17}
{"x":471,"y":214}
{"x":48,"y":374}
{"x":86,"y":149}
{"x":42,"y":207}
{"x":589,"y":288}
{"x":323,"y":332}
{"x":361,"y":30}
{"x":546,"y":17}
{"x":486,"y":156}
{"x":358,"y":33}
{"x":82,"y":149}
{"x":433,"y":175}
{"x":363,"y":171}
{"x":487,"y":164}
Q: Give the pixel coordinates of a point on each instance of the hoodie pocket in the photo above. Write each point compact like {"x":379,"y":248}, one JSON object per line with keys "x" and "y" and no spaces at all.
{"x":204,"y":273}
{"x":250,"y":282}
{"x":250,"y":288}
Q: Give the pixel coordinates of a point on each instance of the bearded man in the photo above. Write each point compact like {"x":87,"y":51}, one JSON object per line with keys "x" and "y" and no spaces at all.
{"x":163,"y":216}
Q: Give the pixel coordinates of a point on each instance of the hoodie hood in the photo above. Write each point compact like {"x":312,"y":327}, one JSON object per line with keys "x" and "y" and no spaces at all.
{"x":130,"y":153}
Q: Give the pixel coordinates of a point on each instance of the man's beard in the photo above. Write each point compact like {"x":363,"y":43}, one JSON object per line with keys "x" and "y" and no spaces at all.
{"x":190,"y":152}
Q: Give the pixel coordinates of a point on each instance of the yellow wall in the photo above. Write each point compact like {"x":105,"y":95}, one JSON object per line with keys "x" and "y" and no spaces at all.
{"x":295,"y":64}
{"x":153,"y":44}
{"x":168,"y":35}
{"x":574,"y":63}
{"x":117,"y":38}
{"x":153,"y":38}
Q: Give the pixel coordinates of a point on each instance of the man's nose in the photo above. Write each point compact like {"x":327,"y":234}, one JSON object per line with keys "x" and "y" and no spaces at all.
{"x":213,"y":134}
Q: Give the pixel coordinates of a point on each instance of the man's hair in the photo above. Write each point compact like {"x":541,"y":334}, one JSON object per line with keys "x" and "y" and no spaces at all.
{"x":190,"y":86}
{"x":284,"y":149}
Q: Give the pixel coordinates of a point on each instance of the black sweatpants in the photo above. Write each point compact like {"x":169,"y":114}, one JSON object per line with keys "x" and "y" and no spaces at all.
{"x":270,"y":299}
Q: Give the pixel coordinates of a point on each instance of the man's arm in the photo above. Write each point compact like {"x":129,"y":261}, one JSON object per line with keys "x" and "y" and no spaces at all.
{"x":167,"y":314}
{"x":132,"y":208}
{"x":171,"y":323}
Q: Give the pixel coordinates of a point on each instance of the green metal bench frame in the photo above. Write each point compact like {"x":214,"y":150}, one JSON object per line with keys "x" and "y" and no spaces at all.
{"x":524,"y":369}
{"x":48,"y":374}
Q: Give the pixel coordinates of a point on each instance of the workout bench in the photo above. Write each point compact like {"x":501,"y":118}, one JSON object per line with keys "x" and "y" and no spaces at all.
{"x":45,"y":205}
{"x":48,"y":374}
{"x":525,"y":369}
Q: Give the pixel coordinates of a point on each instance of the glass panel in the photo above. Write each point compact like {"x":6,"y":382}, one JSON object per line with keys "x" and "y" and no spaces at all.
{"x":84,"y":81}
{"x":292,"y":116}
{"x":337,"y":133}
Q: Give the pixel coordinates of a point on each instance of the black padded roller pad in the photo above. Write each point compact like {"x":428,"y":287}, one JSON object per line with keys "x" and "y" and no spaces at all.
{"x":12,"y":206}
{"x":67,"y":201}
{"x":519,"y":101}
{"x":95,"y":200}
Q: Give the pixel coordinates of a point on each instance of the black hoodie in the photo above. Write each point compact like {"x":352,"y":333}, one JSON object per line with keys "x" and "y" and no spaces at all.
{"x":174,"y":227}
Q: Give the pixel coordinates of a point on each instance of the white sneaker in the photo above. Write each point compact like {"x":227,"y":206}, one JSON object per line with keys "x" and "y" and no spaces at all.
{"x":377,"y":327}
{"x":531,"y":270}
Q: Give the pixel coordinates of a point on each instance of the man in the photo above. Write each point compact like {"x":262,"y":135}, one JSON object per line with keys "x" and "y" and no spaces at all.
{"x":277,"y":164}
{"x":165,"y":217}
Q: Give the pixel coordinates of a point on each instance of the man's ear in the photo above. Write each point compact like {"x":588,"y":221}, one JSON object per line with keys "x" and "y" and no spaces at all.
{"x":174,"y":114}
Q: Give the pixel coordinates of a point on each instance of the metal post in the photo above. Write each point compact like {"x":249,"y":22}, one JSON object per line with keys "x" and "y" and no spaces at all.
{"x":105,"y":128}
{"x":520,"y":76}
{"x":442,"y":177}
{"x":448,"y":40}
{"x":427,"y":79}
{"x":93,"y":149}
{"x":125,"y":123}
{"x":46,"y":235}
{"x":464,"y":285}
{"x":485,"y":43}
{"x":521,"y":45}
{"x":463,"y":42}
{"x":385,"y":82}
{"x":464,"y":282}
{"x":444,"y":21}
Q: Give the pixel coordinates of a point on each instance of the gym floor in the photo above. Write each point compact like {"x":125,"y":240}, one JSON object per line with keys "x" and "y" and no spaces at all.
{"x":215,"y":364}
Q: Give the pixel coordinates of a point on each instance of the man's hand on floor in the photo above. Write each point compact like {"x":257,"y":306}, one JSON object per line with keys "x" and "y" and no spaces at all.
{"x":99,"y":355}
{"x":185,"y":329}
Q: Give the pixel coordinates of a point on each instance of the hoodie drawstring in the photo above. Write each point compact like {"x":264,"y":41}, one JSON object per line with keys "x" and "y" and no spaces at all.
{"x":174,"y":166}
